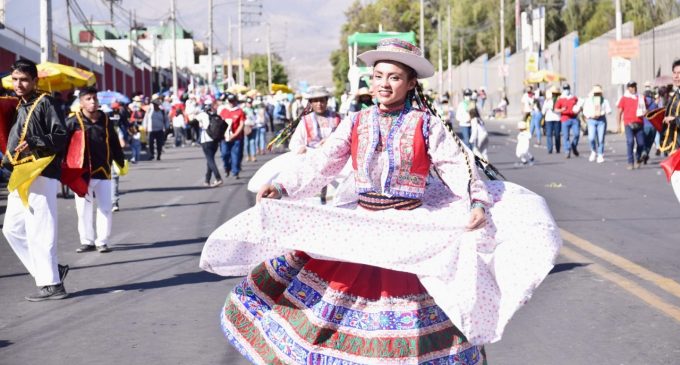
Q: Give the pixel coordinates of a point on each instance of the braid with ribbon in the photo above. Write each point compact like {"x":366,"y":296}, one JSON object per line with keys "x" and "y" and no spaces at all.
{"x":287,"y":132}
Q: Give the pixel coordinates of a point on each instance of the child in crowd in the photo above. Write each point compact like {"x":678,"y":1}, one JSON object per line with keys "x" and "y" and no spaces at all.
{"x":478,"y":135}
{"x":536,"y":118}
{"x":523,"y":144}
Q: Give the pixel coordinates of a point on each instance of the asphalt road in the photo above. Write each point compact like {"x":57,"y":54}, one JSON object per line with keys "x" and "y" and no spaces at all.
{"x":613,"y":297}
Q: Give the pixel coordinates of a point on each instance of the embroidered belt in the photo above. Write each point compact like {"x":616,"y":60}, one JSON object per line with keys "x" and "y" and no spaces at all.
{"x":375,"y":201}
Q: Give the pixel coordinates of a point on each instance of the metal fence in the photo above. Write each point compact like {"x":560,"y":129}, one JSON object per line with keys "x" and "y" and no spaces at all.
{"x":583,"y":66}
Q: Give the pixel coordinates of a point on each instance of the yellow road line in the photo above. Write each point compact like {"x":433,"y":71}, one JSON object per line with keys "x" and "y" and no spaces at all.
{"x":628,"y":285}
{"x":662,"y":282}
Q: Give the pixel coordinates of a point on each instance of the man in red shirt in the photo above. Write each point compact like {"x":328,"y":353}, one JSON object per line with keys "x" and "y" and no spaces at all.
{"x":231,"y":147}
{"x":565,"y":106}
{"x":631,"y":109}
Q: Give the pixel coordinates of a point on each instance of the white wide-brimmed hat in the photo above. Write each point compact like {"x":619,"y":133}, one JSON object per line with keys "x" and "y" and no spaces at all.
{"x":316,"y":92}
{"x":394,"y":49}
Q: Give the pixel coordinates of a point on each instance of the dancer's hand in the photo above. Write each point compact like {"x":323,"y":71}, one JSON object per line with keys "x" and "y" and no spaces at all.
{"x":477,"y":219}
{"x":268,"y":191}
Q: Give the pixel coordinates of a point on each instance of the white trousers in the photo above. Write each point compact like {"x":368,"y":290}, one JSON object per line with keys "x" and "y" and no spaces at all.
{"x":99,"y":191}
{"x":675,"y":182}
{"x":32,"y":232}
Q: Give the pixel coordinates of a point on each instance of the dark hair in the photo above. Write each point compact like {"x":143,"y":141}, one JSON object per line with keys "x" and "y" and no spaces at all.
{"x":474,"y":113}
{"x":87,"y":91}
{"x":26,"y":66}
{"x":676,"y":63}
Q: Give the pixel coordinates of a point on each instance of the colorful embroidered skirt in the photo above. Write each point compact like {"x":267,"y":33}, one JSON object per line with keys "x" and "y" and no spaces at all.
{"x":297,"y":310}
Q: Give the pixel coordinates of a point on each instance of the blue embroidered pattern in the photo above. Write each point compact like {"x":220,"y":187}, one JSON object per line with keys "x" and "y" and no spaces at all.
{"x":375,"y":321}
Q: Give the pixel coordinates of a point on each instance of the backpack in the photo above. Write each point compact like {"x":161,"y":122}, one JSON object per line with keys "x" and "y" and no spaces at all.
{"x":217,"y":127}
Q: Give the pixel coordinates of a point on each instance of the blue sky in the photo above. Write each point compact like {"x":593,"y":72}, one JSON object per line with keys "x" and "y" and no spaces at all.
{"x":304,"y":32}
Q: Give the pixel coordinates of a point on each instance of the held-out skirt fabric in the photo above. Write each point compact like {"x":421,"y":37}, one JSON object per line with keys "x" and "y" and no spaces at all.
{"x":297,"y":310}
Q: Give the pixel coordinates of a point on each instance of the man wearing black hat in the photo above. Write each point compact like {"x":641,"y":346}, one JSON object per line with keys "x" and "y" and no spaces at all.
{"x":101,"y":148}
{"x":631,"y":109}
{"x":35,"y":145}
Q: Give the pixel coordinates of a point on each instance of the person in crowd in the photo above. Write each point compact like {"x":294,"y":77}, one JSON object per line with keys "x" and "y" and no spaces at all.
{"x":249,"y":133}
{"x":671,"y":127}
{"x":135,"y":133}
{"x":536,"y":120}
{"x":648,"y":129}
{"x":571,"y":127}
{"x":463,"y":116}
{"x":362,"y":100}
{"x":232,"y":146}
{"x":121,"y":125}
{"x":523,"y":148}
{"x":156,"y":123}
{"x":192,"y":109}
{"x":35,"y":144}
{"x":279,"y":112}
{"x":552,"y":120}
{"x":179,"y":122}
{"x":208,"y":144}
{"x":481,"y":99}
{"x":527,"y":102}
{"x":398,"y":263}
{"x":595,"y":109}
{"x":261,"y":120}
{"x":297,"y":106}
{"x":101,"y":149}
{"x":501,"y":109}
{"x":479,"y":136}
{"x":631,"y":109}
{"x":446,"y":112}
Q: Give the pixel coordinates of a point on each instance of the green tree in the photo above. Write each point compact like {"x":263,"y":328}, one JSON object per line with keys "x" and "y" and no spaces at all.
{"x":258,"y":64}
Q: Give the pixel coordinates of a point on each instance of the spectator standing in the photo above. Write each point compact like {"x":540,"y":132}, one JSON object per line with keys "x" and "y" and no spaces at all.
{"x":208,"y":144}
{"x":595,"y":109}
{"x":179,"y":121}
{"x":527,"y":102}
{"x":479,"y":136}
{"x":279,"y":111}
{"x":631,"y":109}
{"x":261,"y":121}
{"x":249,"y":133}
{"x":232,"y":146}
{"x":535,"y":123}
{"x":571,"y":127}
{"x":192,"y":109}
{"x":552,"y":120}
{"x":296,"y":106}
{"x":463,"y":116}
{"x":155,"y":124}
{"x":648,"y":129}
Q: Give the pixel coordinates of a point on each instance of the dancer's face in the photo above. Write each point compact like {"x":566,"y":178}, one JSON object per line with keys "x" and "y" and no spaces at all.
{"x":319,"y":105}
{"x":23,"y":83}
{"x":391,"y":83}
{"x":89,"y":103}
{"x":676,"y":76}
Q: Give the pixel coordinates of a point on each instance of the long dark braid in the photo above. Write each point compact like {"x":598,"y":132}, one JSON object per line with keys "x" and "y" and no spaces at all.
{"x":489,"y":170}
{"x":288,"y":130}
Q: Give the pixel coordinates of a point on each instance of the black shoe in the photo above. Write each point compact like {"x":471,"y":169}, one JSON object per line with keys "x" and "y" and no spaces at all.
{"x":63,"y":271}
{"x":158,"y":158}
{"x":85,"y":248}
{"x":236,"y":176}
{"x":645,"y":158}
{"x":49,"y":292}
{"x":575,"y":152}
{"x":103,"y":249}
{"x":658,"y":152}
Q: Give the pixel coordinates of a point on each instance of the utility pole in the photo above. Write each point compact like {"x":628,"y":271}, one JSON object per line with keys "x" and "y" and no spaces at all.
{"x":174,"y":46}
{"x":210,"y":44}
{"x":111,"y":5}
{"x":450,"y":88}
{"x":68,"y":19}
{"x":439,"y":55}
{"x":422,"y":26}
{"x":518,"y":26}
{"x":230,"y":66}
{"x":241,"y":71}
{"x":619,"y":20}
{"x":503,"y":43}
{"x":46,"y":45}
{"x":269,"y":59}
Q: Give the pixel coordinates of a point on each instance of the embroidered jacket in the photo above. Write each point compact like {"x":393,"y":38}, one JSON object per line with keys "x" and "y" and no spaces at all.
{"x":101,"y":147}
{"x":312,"y":129}
{"x":392,"y":162}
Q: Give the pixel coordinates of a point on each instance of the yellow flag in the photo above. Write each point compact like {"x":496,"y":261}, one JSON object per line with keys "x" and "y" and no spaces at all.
{"x":24,"y":174}
{"x":122,"y":170}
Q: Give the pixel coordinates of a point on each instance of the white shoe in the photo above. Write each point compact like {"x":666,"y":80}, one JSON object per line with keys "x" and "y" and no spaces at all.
{"x":592,"y":156}
{"x":600,"y":159}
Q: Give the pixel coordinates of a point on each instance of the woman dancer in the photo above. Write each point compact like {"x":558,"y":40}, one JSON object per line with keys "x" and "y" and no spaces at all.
{"x":408,"y":272}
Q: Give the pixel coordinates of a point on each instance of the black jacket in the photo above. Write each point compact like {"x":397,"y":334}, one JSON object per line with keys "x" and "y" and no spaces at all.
{"x":46,"y":133}
{"x":101,"y":144}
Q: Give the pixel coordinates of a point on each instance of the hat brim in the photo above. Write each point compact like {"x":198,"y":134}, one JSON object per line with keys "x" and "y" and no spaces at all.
{"x":317,"y":96}
{"x":420,"y":65}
